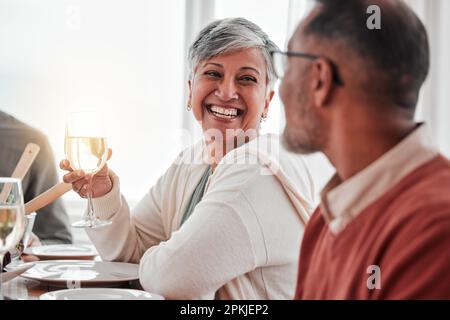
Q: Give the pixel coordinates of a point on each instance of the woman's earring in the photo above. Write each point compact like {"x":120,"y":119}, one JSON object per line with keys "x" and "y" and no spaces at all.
{"x":264,"y":117}
{"x":189,"y":107}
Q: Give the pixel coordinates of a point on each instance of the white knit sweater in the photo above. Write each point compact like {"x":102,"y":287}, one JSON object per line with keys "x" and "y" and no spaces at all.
{"x":241,"y":242}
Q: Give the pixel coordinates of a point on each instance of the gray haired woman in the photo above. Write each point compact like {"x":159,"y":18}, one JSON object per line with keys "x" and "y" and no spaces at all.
{"x":226,"y":219}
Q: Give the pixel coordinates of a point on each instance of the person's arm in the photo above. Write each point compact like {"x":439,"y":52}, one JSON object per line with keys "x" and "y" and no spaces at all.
{"x":220,"y":241}
{"x":52,"y":224}
{"x":225,"y":237}
{"x":211,"y":248}
{"x":130,"y":234}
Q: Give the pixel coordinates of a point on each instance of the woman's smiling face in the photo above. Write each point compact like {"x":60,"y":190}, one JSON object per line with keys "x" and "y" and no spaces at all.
{"x":230,"y":91}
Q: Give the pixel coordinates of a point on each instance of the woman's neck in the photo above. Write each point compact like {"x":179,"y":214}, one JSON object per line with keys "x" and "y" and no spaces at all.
{"x":218,"y":149}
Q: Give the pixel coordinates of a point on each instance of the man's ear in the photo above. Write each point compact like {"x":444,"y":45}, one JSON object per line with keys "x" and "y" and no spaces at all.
{"x":323,"y":81}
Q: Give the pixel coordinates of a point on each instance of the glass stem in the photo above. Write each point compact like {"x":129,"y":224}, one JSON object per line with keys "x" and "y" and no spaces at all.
{"x":90,"y":205}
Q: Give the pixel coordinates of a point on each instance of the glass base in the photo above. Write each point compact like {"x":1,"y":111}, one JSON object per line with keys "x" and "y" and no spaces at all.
{"x":91,"y":223}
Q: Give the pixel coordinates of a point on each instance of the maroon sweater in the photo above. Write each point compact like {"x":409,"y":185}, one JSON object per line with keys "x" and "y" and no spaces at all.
{"x":406,"y":233}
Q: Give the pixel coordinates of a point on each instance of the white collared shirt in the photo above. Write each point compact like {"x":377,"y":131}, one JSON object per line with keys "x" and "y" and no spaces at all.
{"x":343,"y":201}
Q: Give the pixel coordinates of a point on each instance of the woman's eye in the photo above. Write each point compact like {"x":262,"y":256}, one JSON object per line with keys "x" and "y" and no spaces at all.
{"x":213,"y":74}
{"x":248,"y":78}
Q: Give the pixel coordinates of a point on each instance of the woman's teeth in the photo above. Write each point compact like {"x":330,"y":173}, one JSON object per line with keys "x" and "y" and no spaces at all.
{"x":227,"y":113}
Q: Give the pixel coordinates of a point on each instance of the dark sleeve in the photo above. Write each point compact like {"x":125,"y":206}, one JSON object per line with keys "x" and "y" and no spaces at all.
{"x":417,"y":263}
{"x":52,"y":222}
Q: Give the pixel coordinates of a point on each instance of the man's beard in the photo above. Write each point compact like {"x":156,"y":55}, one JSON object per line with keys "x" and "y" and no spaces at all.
{"x":305,"y":133}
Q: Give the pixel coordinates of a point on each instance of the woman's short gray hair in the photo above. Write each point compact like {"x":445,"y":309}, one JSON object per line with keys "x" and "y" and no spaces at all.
{"x":231,"y":35}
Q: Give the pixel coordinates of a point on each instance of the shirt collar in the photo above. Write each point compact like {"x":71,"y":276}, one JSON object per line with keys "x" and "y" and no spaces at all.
{"x":343,"y":201}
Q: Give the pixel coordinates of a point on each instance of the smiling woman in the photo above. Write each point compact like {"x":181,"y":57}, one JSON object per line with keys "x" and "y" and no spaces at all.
{"x":230,"y":97}
{"x":207,"y":228}
{"x":231,"y":83}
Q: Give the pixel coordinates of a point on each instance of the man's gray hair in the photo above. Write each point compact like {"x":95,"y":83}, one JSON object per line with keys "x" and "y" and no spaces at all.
{"x":231,"y":35}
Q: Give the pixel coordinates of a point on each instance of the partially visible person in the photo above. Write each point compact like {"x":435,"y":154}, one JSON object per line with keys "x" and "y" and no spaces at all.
{"x":52,"y":222}
{"x":382,"y":230}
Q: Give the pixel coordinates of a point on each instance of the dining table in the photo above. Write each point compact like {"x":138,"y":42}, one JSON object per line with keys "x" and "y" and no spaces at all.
{"x":26,"y":289}
{"x":21,"y":288}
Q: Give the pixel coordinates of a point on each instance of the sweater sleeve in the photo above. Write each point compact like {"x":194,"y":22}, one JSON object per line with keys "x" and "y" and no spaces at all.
{"x":221,"y":240}
{"x":210,"y":249}
{"x":130,"y":234}
{"x":417,"y":264}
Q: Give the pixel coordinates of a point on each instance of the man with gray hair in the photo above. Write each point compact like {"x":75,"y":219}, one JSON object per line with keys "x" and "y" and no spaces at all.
{"x":382,"y":229}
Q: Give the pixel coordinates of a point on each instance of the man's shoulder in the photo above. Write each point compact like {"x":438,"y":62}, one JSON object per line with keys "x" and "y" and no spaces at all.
{"x":419,"y":201}
{"x":17,"y":133}
{"x":428,"y":186}
{"x":9,"y":121}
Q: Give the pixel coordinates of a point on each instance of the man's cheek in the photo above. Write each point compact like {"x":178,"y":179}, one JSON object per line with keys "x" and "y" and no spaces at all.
{"x":283,"y":92}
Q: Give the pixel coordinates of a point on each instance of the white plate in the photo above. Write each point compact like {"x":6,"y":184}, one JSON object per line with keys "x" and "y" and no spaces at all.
{"x":14,"y":271}
{"x":62,"y":251}
{"x":72,"y":273}
{"x":100,"y":294}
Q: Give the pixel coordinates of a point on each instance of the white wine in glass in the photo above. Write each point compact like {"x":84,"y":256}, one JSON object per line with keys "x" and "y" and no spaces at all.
{"x":12,"y":218}
{"x":86,"y":149}
{"x":86,"y":153}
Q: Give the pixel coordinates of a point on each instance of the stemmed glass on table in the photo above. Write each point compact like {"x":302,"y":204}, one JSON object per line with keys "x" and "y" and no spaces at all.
{"x":12,"y":218}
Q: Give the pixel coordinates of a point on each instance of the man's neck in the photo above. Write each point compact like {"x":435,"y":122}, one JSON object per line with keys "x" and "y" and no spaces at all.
{"x":354,"y":148}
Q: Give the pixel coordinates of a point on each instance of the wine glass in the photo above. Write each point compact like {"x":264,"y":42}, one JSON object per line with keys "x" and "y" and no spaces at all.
{"x":15,"y":254}
{"x":85,"y":148}
{"x":12,"y":218}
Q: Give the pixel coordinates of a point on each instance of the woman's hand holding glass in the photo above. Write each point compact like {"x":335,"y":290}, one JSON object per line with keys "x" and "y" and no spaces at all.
{"x":101,"y":181}
{"x":99,"y":184}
